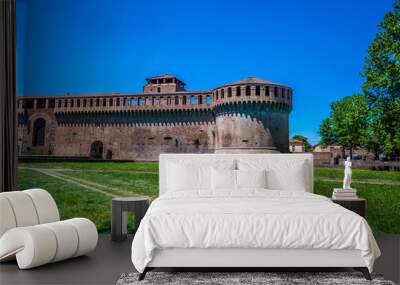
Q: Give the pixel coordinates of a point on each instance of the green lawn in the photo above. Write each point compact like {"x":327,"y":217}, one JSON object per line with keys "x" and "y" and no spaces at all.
{"x":72,"y":200}
{"x":359,"y":175}
{"x":380,"y":188}
{"x":121,"y":183}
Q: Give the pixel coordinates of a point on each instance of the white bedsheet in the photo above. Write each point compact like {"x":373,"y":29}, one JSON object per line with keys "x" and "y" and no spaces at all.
{"x":250,"y":219}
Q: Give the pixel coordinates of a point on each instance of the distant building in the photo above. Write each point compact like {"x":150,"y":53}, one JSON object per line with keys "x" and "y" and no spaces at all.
{"x":247,"y":116}
{"x":333,"y":154}
{"x":296,"y":146}
{"x":327,"y":155}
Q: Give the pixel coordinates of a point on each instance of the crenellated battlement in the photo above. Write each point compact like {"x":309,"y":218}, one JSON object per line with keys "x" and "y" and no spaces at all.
{"x":253,"y":90}
{"x":117,"y":103}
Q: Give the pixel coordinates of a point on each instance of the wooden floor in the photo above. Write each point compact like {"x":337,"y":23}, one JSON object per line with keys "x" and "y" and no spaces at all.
{"x":111,"y":259}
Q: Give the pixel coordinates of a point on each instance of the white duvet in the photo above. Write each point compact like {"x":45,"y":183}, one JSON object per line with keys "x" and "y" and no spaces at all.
{"x":250,"y":219}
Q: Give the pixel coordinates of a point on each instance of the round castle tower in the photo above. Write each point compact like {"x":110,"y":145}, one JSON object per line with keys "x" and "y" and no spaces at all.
{"x":251,"y":116}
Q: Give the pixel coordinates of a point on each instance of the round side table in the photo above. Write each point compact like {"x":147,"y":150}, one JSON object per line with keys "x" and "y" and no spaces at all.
{"x":120,"y":207}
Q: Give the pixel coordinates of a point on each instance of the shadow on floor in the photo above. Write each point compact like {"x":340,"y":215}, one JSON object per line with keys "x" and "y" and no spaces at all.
{"x":110,"y":259}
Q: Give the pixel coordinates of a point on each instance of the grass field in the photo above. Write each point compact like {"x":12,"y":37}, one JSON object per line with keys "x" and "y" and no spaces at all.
{"x":73,"y":186}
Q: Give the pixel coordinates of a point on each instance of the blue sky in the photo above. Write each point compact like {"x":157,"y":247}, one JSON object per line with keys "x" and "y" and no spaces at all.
{"x":102,"y":46}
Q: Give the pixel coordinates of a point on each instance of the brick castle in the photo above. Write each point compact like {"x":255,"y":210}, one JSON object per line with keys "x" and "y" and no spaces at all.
{"x":247,"y":116}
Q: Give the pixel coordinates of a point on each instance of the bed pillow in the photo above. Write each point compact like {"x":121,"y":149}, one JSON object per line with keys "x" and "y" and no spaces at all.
{"x":282,"y":174}
{"x":291,"y":180}
{"x":223,"y":179}
{"x":184,"y":175}
{"x":251,"y":179}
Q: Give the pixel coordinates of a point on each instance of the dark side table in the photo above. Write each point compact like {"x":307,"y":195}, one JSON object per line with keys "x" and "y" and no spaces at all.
{"x":357,"y":205}
{"x":120,"y":207}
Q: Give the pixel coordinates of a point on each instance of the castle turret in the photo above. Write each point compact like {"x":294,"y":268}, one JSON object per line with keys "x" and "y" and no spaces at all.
{"x":163,"y":84}
{"x":252,"y":116}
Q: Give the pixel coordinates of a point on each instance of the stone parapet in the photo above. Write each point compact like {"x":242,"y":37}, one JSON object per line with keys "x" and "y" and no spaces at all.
{"x":253,"y":92}
{"x":120,"y":103}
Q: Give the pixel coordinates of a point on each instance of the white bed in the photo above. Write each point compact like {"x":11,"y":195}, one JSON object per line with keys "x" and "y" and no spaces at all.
{"x":201,"y":220}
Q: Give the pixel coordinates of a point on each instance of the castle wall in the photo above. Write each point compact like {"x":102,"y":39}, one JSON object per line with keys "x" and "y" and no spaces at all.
{"x":25,"y":133}
{"x":248,"y":116}
{"x":129,"y":142}
{"x":237,"y":133}
{"x":278,"y":125}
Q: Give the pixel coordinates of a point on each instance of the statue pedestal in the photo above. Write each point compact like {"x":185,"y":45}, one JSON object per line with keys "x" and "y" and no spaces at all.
{"x":344,"y":194}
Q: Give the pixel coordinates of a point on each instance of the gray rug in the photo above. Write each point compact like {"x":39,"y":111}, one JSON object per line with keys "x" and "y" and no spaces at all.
{"x":236,"y":278}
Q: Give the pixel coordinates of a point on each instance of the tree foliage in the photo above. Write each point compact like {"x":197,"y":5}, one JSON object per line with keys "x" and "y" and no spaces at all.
{"x":382,"y":85}
{"x":372,"y":119}
{"x":326,"y":132}
{"x":347,"y":124}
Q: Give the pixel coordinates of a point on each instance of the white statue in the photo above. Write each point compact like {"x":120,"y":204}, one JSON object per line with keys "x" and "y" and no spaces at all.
{"x":347,"y":174}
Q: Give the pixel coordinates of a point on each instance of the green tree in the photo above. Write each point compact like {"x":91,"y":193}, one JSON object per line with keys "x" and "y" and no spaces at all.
{"x":347,"y":124}
{"x":307,"y":145}
{"x":382,"y":84}
{"x":326,"y":132}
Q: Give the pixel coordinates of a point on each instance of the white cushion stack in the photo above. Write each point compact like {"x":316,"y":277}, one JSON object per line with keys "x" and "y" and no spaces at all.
{"x":31,"y":231}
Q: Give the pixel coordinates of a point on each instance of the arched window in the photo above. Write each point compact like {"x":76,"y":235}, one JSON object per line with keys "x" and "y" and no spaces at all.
{"x":184,"y":100}
{"x":97,"y":102}
{"x":39,"y":131}
{"x":111,"y":101}
{"x":216,"y":95}
{"x":276,"y":92}
{"x":192,"y":100}
{"x":78,"y":102}
{"x":229,"y":92}
{"x":248,"y":91}
{"x":132,"y":102}
{"x":266,"y":90}
{"x":65,"y":103}
{"x":104,"y":102}
{"x":84,"y":102}
{"x":283,"y":92}
{"x":208,"y":100}
{"x":139,"y":101}
{"x":72,"y":103}
{"x":168,"y":100}
{"x":238,"y":91}
{"x":96,"y":149}
{"x":200,"y":99}
{"x":257,"y":90}
{"x":91,"y":102}
{"x":222,"y":93}
{"x":176,"y":100}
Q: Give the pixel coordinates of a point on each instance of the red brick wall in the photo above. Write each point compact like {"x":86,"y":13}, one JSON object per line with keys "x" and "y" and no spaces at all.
{"x":143,"y":143}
